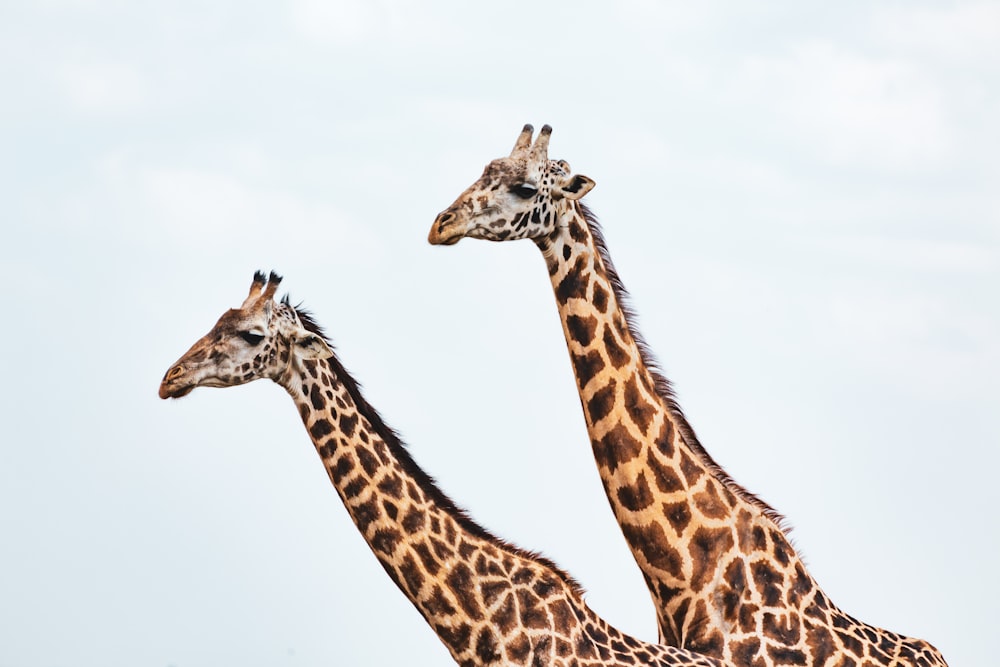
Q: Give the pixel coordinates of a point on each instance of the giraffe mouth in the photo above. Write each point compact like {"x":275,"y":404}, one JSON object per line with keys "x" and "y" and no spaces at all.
{"x":443,"y":233}
{"x":166,"y":391}
{"x":449,"y":227}
{"x":179,"y":385}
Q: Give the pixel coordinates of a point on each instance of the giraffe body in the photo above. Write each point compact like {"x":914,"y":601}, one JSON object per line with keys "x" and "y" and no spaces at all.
{"x":489,"y":602}
{"x":724,"y":578}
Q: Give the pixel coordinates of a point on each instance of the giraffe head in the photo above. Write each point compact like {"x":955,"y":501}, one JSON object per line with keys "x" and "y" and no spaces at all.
{"x":263,"y":338}
{"x":517,"y":197}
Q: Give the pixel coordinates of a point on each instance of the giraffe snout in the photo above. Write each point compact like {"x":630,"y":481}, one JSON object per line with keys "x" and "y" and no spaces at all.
{"x":167,"y":387}
{"x":445,"y":231}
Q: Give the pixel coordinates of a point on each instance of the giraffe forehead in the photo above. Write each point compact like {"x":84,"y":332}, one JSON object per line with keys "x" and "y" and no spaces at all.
{"x":514,"y":171}
{"x":508,"y":171}
{"x":234,"y":320}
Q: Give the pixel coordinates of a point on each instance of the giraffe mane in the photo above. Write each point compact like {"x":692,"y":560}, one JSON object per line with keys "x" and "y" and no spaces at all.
{"x":402,"y":454}
{"x":664,"y":388}
{"x":308,"y":320}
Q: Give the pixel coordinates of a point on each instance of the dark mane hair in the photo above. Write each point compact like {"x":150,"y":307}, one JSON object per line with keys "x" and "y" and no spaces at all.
{"x":662,"y":385}
{"x":426,"y":483}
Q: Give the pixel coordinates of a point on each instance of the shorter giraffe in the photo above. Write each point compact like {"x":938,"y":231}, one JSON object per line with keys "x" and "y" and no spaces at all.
{"x":489,"y":602}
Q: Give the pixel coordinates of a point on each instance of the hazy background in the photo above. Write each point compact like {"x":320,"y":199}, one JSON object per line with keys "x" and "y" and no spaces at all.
{"x":802,"y":199}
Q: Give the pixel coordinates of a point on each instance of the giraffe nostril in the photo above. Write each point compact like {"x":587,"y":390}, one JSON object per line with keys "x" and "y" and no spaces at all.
{"x":445,"y":218}
{"x":175,"y":373}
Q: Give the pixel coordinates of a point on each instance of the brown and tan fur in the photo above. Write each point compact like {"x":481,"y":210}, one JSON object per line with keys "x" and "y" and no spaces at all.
{"x":724,"y":577}
{"x":489,"y":602}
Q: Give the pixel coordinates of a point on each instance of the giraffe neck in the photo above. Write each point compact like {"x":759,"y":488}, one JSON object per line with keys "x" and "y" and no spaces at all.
{"x":621,"y":388}
{"x":489,"y":602}
{"x":724,"y":578}
{"x":663,"y":487}
{"x":422,"y":541}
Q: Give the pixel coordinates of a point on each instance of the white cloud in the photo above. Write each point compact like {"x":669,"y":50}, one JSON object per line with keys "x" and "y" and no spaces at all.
{"x":884,"y":321}
{"x":103,"y":88}
{"x":206,"y":201}
{"x":652,"y":20}
{"x":200,"y":206}
{"x":361,"y":22}
{"x":351,"y":21}
{"x":910,"y":337}
{"x":966,"y":33}
{"x":211,"y":204}
{"x":465,"y":114}
{"x":853,"y":108}
{"x":918,"y":254}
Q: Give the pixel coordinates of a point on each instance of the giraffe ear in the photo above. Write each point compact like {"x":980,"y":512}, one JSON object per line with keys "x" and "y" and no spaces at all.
{"x":311,"y":346}
{"x":577,"y":186}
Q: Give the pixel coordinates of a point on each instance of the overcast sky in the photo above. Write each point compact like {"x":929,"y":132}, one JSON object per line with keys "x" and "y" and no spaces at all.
{"x":802,"y":200}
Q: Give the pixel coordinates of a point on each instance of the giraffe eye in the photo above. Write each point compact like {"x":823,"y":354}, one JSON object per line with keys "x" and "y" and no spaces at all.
{"x":524,"y":190}
{"x":251,"y":337}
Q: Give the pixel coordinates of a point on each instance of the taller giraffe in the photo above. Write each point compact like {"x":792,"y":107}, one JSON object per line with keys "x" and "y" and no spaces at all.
{"x":489,"y":602}
{"x":723,"y":576}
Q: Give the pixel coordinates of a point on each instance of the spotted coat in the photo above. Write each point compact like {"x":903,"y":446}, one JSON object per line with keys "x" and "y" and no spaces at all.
{"x":488,"y":601}
{"x":723,"y":575}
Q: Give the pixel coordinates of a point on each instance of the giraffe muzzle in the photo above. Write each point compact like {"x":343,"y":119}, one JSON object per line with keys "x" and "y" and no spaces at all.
{"x":170,"y":387}
{"x":445,"y":230}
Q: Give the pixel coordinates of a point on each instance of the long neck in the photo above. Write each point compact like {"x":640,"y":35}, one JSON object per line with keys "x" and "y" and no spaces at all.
{"x":422,"y":541}
{"x":489,"y":602}
{"x":669,"y":497}
{"x":718,"y":565}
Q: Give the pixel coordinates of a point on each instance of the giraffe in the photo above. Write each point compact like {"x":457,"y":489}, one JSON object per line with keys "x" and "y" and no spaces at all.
{"x":724,"y":578}
{"x":490,"y":602}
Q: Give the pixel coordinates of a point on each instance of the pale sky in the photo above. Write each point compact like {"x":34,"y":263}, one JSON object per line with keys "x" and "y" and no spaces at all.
{"x":802,"y":201}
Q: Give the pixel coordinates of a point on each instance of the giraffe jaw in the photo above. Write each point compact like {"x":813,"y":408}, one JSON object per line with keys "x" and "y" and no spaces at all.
{"x":182,"y":385}
{"x":174,"y":392}
{"x":451,"y":232}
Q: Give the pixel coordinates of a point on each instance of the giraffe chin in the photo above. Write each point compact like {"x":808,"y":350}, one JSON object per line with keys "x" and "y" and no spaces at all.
{"x":175,"y":392}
